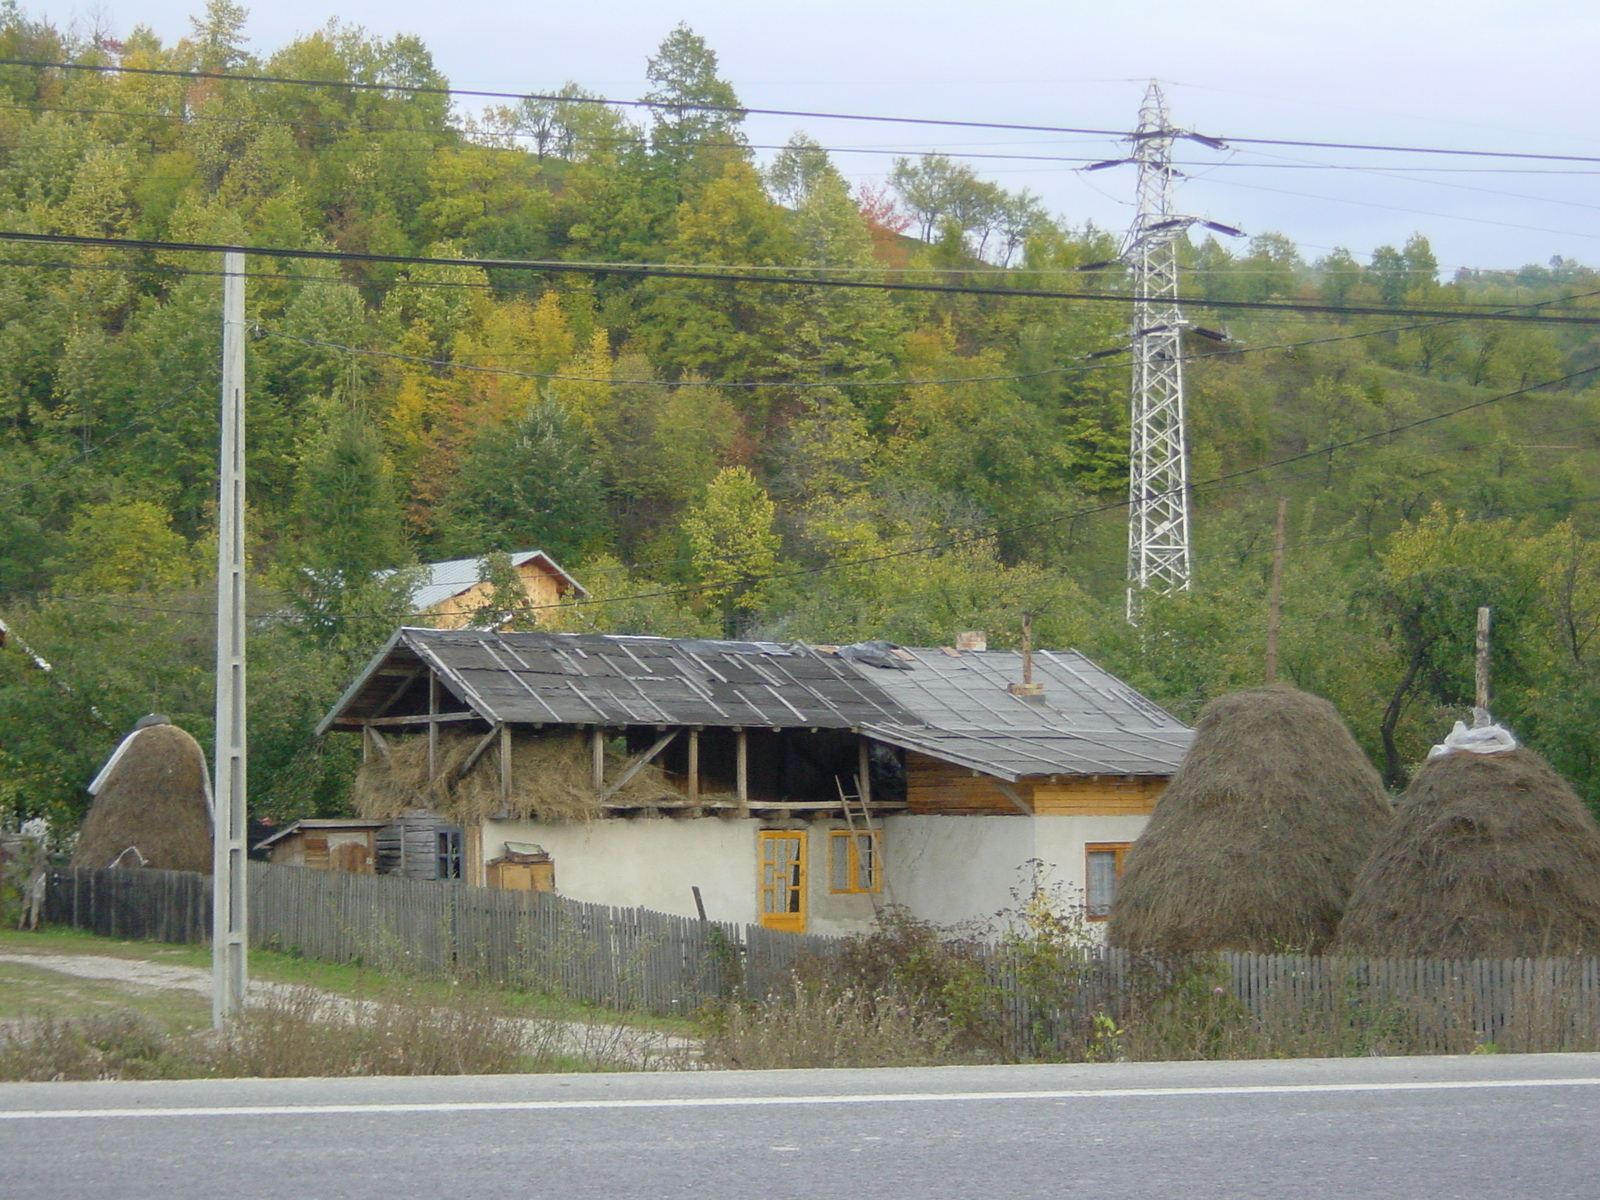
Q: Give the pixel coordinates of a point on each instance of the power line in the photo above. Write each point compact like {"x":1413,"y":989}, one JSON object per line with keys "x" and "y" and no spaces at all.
{"x":742,"y":110}
{"x":691,"y":273}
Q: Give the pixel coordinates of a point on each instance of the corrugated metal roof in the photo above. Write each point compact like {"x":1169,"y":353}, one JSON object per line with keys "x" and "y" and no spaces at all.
{"x":953,"y":706}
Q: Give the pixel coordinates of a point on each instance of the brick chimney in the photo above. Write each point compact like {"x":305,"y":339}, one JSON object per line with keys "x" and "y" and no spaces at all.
{"x":975,"y":640}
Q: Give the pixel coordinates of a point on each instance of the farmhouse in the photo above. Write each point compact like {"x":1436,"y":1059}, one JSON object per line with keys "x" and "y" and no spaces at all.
{"x":801,"y":786}
{"x":452,"y":593}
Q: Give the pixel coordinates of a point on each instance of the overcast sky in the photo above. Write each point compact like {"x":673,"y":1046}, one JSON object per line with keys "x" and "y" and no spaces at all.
{"x":1468,"y":74}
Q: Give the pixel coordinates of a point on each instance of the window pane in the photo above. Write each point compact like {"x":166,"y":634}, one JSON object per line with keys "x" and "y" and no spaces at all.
{"x":839,"y":863}
{"x":866,"y":862}
{"x":1102,"y":881}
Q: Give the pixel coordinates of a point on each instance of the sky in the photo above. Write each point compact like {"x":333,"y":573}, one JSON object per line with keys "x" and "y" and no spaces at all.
{"x":1468,"y":74}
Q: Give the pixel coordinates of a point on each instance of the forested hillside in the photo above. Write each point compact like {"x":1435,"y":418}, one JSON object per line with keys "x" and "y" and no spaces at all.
{"x":716,"y":455}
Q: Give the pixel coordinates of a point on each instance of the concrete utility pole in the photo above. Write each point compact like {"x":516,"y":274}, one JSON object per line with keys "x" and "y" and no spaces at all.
{"x":229,"y":969}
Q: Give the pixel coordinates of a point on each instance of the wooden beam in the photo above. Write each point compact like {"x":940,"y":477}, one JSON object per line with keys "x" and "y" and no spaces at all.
{"x":424,"y":719}
{"x":410,"y":678}
{"x":864,"y":769}
{"x":478,"y":751}
{"x":694,"y":766}
{"x":638,"y":764}
{"x":742,"y":768}
{"x":505,"y":765}
{"x":433,"y":726}
{"x":597,"y":751}
{"x":379,"y":742}
{"x":1011,"y":794}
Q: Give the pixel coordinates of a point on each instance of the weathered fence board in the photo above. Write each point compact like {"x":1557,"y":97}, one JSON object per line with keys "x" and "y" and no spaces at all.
{"x":637,"y":959}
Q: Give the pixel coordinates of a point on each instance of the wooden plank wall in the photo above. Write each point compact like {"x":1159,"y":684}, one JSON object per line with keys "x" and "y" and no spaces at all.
{"x":935,"y":786}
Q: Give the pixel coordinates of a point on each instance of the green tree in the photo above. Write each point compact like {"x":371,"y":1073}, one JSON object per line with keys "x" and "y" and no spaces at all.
{"x":732,"y":543}
{"x":530,"y":484}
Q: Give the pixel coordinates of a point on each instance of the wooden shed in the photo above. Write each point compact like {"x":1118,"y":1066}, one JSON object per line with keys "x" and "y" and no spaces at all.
{"x":327,"y":844}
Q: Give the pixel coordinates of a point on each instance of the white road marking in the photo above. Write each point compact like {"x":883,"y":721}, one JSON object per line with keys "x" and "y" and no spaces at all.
{"x":464,"y":1106}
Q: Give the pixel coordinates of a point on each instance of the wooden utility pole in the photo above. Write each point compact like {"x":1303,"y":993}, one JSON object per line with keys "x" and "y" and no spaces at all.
{"x":229,"y":920}
{"x":1480,"y":698}
{"x":1275,"y":595}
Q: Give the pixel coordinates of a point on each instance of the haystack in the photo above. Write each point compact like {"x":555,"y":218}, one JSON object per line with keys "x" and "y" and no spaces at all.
{"x":1491,"y":856}
{"x":1255,"y":843}
{"x":551,"y":779}
{"x":150,"y":805}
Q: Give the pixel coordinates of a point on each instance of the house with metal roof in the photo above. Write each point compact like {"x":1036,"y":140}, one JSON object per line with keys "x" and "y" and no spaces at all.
{"x":802,"y":786}
{"x":453,"y":592}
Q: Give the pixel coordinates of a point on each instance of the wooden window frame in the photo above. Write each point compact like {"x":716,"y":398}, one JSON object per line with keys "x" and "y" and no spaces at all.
{"x":1120,"y":849}
{"x":785,"y":919}
{"x":853,"y":862}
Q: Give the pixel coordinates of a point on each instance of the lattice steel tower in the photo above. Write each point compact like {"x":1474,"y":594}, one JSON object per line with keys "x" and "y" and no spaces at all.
{"x":1158,"y":476}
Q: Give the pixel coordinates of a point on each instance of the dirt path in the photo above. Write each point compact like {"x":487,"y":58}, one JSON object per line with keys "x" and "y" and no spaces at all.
{"x":610,"y":1044}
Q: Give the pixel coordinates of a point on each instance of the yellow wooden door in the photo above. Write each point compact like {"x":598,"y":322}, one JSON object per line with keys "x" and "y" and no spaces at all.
{"x":783,"y":879}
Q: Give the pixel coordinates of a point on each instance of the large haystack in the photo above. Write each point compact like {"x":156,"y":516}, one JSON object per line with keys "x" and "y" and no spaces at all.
{"x":551,"y":779}
{"x":1491,"y":856}
{"x":150,"y":805}
{"x":1255,"y":843}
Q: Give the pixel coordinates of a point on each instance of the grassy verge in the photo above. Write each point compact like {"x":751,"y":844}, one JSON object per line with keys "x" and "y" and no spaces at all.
{"x":339,"y":979}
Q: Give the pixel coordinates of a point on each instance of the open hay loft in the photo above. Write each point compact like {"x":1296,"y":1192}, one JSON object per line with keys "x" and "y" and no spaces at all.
{"x":551,"y":779}
{"x":1257,"y":840}
{"x":1491,"y":856}
{"x":151,"y":809}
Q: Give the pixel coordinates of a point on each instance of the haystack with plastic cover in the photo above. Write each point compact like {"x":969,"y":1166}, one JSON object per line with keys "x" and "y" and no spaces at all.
{"x":551,"y":779}
{"x":1491,"y":856}
{"x":1256,"y":841}
{"x":151,"y":804}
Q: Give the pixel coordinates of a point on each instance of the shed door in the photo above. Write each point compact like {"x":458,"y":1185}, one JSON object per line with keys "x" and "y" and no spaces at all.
{"x":783,"y":880}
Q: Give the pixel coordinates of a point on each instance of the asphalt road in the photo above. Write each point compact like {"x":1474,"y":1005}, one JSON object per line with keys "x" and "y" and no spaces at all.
{"x":1506,"y":1128}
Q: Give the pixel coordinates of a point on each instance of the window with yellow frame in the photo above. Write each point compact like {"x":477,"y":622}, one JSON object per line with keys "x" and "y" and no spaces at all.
{"x":1103,"y":867}
{"x":853,"y":861}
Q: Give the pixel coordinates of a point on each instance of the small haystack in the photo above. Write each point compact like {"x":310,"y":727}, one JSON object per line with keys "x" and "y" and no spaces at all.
{"x":1491,"y":856}
{"x":151,"y":805}
{"x":1255,"y":843}
{"x":551,"y":779}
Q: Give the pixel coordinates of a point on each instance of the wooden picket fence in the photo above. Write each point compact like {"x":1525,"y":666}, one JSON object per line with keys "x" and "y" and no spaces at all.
{"x":636,"y":959}
{"x":625,"y":958}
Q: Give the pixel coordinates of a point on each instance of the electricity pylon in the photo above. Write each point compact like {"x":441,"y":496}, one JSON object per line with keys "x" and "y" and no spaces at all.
{"x":1158,"y":475}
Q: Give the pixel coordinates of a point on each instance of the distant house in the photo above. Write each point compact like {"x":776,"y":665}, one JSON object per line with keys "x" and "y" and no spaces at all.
{"x":452,"y":593}
{"x":803,"y":787}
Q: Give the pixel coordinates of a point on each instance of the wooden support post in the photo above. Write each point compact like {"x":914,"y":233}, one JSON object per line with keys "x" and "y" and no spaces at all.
{"x":433,"y":726}
{"x":379,"y":742}
{"x":505,"y":766}
{"x":638,"y":764}
{"x":864,"y":769}
{"x":742,"y":767}
{"x":694,"y":766}
{"x":1480,"y":701}
{"x":597,"y":757}
{"x":1275,"y":595}
{"x":477,"y":752}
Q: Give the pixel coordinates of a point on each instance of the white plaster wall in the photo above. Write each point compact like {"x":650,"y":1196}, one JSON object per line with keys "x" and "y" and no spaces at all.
{"x":1060,"y":842}
{"x":649,"y":863}
{"x":953,"y":869}
{"x":833,"y":913}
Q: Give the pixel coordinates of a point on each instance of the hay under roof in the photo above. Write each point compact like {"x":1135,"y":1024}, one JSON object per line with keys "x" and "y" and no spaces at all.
{"x":550,"y":773}
{"x":1491,"y":856}
{"x":150,"y":807}
{"x":1255,"y":843}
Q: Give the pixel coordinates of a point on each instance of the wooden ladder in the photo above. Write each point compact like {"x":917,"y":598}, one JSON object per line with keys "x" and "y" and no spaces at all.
{"x":856,"y":810}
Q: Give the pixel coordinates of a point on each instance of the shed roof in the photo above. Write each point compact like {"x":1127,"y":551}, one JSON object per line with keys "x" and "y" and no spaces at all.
{"x":1086,"y":722}
{"x":456,"y":575}
{"x":953,"y":705}
{"x":605,"y":679}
